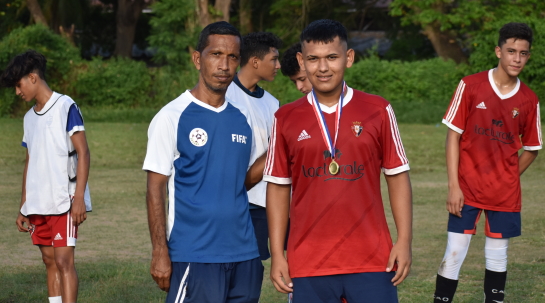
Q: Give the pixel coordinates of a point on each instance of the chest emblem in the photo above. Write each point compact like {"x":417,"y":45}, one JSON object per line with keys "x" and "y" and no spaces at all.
{"x":198,"y":137}
{"x":357,"y":128}
{"x":481,"y":105}
{"x":515,"y":112}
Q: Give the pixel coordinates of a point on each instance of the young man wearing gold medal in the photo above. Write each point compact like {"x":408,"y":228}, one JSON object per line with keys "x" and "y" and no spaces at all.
{"x":327,"y":150}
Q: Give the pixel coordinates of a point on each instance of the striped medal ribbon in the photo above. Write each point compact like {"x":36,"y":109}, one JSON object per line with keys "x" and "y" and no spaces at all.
{"x":333,"y":166}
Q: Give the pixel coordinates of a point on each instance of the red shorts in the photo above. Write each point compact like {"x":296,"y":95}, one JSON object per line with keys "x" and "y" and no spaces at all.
{"x":53,"y":230}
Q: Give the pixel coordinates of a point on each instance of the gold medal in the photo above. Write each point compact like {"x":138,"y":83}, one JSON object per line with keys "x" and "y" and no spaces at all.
{"x":333,"y":167}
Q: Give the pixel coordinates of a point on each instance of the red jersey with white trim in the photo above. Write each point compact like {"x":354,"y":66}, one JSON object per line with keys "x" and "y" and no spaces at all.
{"x":494,"y":127}
{"x":337,"y":221}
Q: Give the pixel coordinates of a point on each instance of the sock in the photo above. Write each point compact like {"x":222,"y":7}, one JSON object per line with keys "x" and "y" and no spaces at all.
{"x":494,"y":286}
{"x":444,"y":289}
{"x":55,"y":299}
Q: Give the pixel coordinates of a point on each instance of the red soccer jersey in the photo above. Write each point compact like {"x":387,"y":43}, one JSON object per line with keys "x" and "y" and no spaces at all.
{"x":492,"y":127}
{"x":337,"y":221}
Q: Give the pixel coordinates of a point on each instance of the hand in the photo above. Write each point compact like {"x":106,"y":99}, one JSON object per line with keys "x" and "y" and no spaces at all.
{"x":161,"y":268}
{"x":280,"y":275}
{"x":21,"y":220}
{"x":455,"y":201}
{"x":400,"y":254}
{"x":79,"y":213}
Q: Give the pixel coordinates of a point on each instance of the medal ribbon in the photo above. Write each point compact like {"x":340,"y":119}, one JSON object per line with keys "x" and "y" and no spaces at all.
{"x":323,"y":125}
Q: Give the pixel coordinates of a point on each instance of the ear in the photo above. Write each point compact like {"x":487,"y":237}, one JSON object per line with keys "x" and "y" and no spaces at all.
{"x":301,"y":62}
{"x":33,"y":78}
{"x":498,"y":52}
{"x":350,"y":54}
{"x":196,"y":58}
{"x":255,"y":62}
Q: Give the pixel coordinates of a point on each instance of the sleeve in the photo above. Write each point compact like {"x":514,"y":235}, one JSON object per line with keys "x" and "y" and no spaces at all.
{"x":277,"y":167}
{"x":160,"y":154}
{"x":23,"y":143}
{"x":394,"y":160}
{"x":456,"y":115}
{"x":74,"y":122}
{"x":531,"y":136}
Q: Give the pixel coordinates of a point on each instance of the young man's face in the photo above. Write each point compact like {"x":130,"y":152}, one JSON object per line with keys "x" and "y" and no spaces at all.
{"x":218,"y":62}
{"x":513,"y":56}
{"x":269,"y":66}
{"x":301,"y":82}
{"x":26,"y":87}
{"x":325,"y":63}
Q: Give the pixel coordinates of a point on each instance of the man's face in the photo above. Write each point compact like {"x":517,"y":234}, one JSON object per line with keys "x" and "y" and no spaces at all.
{"x":218,"y":62}
{"x":325,"y":63}
{"x":513,"y":56}
{"x":26,"y":87}
{"x":269,"y":66}
{"x":301,"y":82}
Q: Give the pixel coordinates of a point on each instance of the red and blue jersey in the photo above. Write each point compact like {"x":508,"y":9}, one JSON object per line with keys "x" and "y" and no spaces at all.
{"x":337,"y":222}
{"x":493,"y":128}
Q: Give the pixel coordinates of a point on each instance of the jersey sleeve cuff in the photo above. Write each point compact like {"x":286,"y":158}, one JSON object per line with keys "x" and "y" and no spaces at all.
{"x":276,"y":180}
{"x":23,"y":144}
{"x":532,"y":147}
{"x":453,"y":127}
{"x":155,"y":169}
{"x":77,"y":128}
{"x":397,"y":170}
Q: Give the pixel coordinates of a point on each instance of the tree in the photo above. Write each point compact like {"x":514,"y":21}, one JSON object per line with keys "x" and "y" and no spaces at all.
{"x":36,"y":12}
{"x":128,"y":12}
{"x":451,"y":24}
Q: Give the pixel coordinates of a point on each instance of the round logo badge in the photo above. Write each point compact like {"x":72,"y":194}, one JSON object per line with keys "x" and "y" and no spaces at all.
{"x":198,"y":137}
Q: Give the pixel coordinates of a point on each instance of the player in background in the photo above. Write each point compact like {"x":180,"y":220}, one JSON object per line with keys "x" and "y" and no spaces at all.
{"x":199,"y":145}
{"x":55,"y":195}
{"x":291,"y":69}
{"x":492,"y":116}
{"x":328,"y":150}
{"x":259,"y":62}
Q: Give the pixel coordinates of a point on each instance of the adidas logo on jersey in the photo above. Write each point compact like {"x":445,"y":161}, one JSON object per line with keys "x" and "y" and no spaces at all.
{"x":58,"y":237}
{"x":481,"y":105}
{"x":304,"y":135}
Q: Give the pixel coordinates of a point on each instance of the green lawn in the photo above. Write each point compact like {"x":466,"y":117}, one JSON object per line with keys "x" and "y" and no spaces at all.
{"x":113,"y":250}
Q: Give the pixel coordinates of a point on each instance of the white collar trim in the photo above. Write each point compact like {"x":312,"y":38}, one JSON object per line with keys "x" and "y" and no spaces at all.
{"x":190,"y":96}
{"x":330,"y":110}
{"x":497,"y":91}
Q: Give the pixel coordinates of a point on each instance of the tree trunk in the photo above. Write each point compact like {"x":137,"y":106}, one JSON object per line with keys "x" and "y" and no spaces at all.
{"x":223,"y":6}
{"x":245,"y":16}
{"x":128,"y":12}
{"x":202,"y":11}
{"x":445,"y":45}
{"x":36,"y":11}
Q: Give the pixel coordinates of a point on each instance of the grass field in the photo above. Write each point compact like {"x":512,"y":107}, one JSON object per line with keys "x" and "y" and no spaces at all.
{"x":113,"y":250}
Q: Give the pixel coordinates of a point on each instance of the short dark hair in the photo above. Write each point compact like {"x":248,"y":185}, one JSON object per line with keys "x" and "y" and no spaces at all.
{"x":325,"y":31}
{"x":216,"y":28}
{"x":289,"y":64}
{"x":21,"y":65}
{"x":515,"y":30}
{"x":259,"y":45}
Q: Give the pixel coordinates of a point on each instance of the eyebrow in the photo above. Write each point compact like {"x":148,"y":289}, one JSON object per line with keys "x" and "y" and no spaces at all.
{"x":328,"y":55}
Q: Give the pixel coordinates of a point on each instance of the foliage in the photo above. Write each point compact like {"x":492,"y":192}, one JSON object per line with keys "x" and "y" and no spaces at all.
{"x":173,"y":31}
{"x":116,"y":83}
{"x":169,"y":82}
{"x":61,"y":57}
{"x":13,"y":14}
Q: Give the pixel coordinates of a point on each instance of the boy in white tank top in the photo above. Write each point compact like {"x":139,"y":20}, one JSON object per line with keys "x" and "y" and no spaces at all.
{"x":55,"y":195}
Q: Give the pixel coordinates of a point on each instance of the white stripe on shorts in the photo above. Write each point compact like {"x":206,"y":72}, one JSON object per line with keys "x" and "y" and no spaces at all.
{"x":183,"y":287}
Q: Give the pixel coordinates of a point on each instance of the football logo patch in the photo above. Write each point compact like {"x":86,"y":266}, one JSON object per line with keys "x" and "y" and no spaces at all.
{"x":515,"y":112}
{"x":198,"y":137}
{"x":357,"y":128}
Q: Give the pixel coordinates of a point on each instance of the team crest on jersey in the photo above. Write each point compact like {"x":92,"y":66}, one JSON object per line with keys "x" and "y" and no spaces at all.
{"x":357,"y":128}
{"x":198,"y":137}
{"x":515,"y":112}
